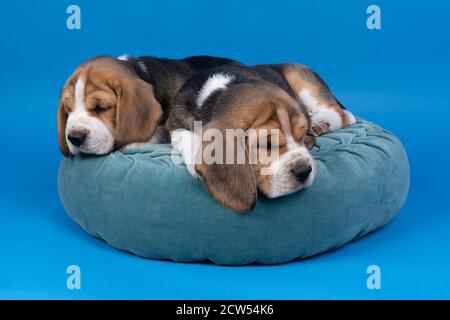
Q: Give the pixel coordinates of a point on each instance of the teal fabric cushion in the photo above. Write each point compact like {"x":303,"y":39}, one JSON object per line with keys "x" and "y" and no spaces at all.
{"x":142,"y":202}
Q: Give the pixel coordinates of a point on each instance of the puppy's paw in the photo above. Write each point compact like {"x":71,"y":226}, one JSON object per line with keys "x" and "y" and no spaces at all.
{"x":319,"y":127}
{"x":136,"y":145}
{"x":130,"y":146}
{"x":133,"y":145}
{"x":326,"y":120}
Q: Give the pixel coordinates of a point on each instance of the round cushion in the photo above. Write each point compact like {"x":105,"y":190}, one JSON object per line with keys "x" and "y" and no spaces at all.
{"x":143,"y":202}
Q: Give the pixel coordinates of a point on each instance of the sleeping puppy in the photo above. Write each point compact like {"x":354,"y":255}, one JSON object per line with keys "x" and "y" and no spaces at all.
{"x":271,"y":99}
{"x":113,"y":103}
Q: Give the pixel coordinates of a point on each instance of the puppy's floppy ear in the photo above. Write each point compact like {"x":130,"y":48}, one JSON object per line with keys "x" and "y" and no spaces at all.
{"x":137,"y":111}
{"x":232,"y":185}
{"x":62,"y":120}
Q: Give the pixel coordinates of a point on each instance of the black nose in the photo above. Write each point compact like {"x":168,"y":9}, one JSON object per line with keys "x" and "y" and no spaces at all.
{"x":77,"y":138}
{"x":302,"y":173}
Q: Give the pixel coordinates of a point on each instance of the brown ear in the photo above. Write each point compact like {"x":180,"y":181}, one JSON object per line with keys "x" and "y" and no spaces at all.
{"x":232,"y":185}
{"x":62,"y":120}
{"x":137,"y":113}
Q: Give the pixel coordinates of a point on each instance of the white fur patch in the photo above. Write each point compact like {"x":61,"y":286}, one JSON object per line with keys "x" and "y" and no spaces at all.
{"x":215,"y":82}
{"x":99,"y":139}
{"x":349,"y":117}
{"x":79,"y":93}
{"x":124,"y":57}
{"x":320,"y":112}
{"x":188,"y":145}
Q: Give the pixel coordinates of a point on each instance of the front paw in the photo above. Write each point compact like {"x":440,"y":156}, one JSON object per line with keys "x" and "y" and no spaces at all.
{"x":319,"y":127}
{"x":325,"y":120}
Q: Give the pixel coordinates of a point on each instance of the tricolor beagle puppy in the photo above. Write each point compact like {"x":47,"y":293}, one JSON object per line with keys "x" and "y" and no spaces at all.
{"x":289,"y":98}
{"x":110,"y":103}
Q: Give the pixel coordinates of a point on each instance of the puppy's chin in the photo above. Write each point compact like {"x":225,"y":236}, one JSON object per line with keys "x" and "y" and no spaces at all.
{"x":98,"y":150}
{"x":279,"y":186}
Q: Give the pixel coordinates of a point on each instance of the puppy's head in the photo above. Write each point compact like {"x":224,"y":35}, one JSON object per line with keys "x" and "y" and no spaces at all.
{"x":286,"y":166}
{"x":104,"y":106}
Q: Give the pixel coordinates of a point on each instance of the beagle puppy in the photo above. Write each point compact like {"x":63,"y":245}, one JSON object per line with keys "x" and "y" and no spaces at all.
{"x":289,"y":100}
{"x":113,"y":103}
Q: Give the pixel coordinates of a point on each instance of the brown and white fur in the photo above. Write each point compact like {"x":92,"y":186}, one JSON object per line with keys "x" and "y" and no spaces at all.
{"x":115,"y":103}
{"x":326,"y":112}
{"x":287,"y":97}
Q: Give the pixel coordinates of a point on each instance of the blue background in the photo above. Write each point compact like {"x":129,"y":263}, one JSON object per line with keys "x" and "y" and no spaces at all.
{"x":397,"y":76}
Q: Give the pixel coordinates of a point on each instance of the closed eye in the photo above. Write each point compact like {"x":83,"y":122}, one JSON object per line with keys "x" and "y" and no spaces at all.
{"x":99,"y":109}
